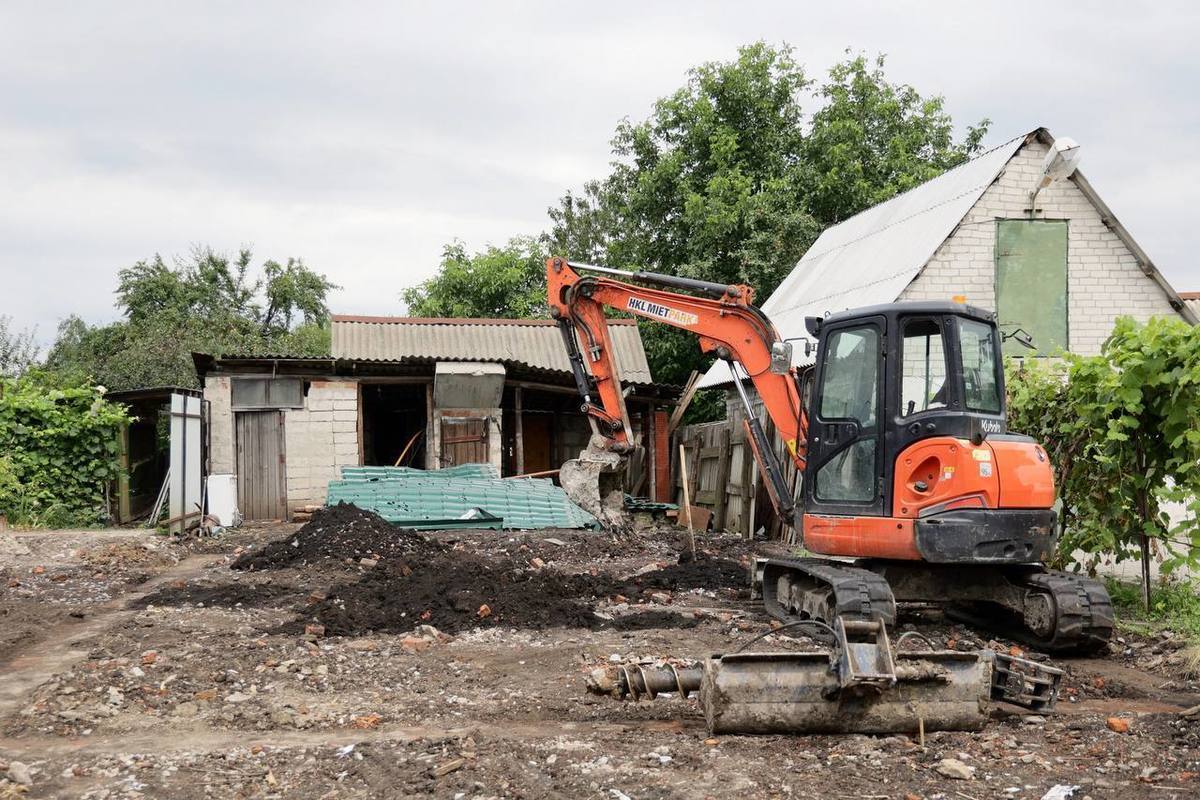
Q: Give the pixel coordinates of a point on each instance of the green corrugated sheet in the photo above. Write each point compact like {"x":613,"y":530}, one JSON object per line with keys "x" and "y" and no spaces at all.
{"x":415,"y":497}
{"x":460,"y":471}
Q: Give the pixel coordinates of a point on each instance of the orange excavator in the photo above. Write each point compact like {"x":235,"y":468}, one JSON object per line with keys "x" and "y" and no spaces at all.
{"x":912,"y":489}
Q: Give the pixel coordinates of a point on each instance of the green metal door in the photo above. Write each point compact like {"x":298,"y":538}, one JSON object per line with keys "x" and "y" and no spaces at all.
{"x":1031,"y":283}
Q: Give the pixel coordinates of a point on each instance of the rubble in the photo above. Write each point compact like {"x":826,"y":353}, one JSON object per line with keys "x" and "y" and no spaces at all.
{"x":235,"y":701}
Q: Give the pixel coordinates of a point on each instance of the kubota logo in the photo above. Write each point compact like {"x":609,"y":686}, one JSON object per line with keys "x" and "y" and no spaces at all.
{"x":639,"y":306}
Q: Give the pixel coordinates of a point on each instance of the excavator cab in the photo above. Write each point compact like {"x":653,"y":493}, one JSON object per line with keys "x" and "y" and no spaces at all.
{"x":886,"y":377}
{"x":908,"y":442}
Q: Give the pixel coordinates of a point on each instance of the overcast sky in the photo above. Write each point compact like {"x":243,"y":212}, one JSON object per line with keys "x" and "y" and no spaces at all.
{"x":362,"y":137}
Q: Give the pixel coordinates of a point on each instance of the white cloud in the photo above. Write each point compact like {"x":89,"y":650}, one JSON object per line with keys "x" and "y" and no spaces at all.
{"x":363,"y":138}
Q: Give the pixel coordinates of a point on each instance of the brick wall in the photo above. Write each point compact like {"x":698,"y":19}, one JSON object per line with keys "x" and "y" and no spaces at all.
{"x":1103,"y":278}
{"x":319,"y":439}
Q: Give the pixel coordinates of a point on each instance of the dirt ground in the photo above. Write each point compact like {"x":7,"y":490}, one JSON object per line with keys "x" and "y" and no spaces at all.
{"x":454,"y":666}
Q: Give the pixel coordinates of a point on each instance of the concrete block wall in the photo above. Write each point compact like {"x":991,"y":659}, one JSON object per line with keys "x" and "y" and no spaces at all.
{"x":218,"y":393}
{"x":319,"y":439}
{"x":1104,"y":280}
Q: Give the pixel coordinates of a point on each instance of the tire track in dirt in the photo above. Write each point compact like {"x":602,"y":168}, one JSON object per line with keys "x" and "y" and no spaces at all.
{"x":206,"y":740}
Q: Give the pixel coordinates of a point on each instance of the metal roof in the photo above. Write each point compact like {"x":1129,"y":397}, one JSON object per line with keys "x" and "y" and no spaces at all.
{"x":535,"y":343}
{"x":869,"y":259}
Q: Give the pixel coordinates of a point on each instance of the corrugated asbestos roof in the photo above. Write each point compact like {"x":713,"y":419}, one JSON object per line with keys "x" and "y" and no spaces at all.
{"x":416,"y":497}
{"x":871,"y":257}
{"x":535,"y":343}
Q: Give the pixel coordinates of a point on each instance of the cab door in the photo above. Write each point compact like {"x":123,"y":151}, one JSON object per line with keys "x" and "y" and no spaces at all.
{"x":844,"y":471}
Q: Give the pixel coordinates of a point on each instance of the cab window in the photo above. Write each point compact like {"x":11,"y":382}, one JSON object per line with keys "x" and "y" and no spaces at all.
{"x":981,"y":383}
{"x":923,"y":384}
{"x":849,"y":378}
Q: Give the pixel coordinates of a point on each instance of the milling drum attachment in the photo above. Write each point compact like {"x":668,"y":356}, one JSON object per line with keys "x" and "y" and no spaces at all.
{"x":858,"y":686}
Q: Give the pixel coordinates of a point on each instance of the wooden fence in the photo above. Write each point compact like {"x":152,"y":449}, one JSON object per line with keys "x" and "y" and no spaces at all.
{"x":723,"y":477}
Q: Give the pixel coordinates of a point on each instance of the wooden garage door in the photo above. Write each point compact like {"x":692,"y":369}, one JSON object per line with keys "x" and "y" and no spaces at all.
{"x":261,"y":482}
{"x":464,"y":441}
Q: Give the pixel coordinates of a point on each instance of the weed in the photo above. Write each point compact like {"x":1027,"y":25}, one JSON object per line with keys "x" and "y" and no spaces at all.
{"x":1174,"y":605}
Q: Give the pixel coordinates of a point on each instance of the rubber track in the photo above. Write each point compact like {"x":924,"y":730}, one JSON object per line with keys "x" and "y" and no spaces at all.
{"x":1084,"y":621}
{"x":858,"y":593}
{"x":1085,"y":613}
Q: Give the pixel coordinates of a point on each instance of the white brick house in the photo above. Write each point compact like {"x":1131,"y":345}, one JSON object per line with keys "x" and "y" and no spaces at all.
{"x":940,"y":241}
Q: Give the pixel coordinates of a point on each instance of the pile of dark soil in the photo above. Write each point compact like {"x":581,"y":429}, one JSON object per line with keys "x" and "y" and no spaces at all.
{"x":340,"y":533}
{"x":226,"y":595}
{"x":705,"y":572}
{"x":460,"y":592}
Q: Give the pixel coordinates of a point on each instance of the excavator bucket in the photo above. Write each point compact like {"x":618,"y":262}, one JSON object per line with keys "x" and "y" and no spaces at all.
{"x":860,"y":685}
{"x":595,"y":482}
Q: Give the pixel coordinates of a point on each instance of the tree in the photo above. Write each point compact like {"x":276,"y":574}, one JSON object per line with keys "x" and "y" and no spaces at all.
{"x":208,"y":303}
{"x":874,"y":139}
{"x":1120,"y":430}
{"x":728,"y":181}
{"x":18,"y":349}
{"x":500,"y":282}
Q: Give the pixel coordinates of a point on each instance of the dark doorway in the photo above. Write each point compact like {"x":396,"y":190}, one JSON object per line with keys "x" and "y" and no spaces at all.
{"x":537,"y":428}
{"x":393,"y":417}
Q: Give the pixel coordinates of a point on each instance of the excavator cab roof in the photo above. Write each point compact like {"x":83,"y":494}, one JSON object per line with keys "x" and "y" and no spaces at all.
{"x":893,"y":310}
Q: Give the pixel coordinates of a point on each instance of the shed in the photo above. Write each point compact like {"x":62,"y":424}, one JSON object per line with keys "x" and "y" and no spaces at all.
{"x":426,"y":393}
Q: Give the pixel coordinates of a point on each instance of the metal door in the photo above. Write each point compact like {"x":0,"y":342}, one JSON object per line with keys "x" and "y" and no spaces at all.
{"x":464,"y":441}
{"x":262,"y":481}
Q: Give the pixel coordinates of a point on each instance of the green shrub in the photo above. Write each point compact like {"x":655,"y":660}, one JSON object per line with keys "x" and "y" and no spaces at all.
{"x":60,"y":448}
{"x":1121,"y":432}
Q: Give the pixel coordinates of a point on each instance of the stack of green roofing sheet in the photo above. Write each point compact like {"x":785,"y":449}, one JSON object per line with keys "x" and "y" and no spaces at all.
{"x":468,"y":496}
{"x":460,"y":471}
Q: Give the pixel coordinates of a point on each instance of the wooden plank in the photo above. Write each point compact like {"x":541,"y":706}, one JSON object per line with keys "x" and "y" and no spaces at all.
{"x":519,"y":429}
{"x":722,"y":502}
{"x":685,"y":400}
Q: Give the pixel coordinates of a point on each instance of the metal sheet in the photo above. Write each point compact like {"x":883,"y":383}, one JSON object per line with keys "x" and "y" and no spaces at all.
{"x":185,"y":503}
{"x":522,"y":503}
{"x":871,"y":257}
{"x":536,"y":343}
{"x":1031,"y":283}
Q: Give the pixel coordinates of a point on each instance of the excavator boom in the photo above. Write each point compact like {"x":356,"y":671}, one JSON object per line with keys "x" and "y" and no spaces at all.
{"x":725,"y":323}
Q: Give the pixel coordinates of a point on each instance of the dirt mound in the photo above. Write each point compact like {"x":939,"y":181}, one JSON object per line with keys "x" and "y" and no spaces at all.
{"x":226,"y":595}
{"x":704,"y":572}
{"x":459,"y":592}
{"x":339,"y":533}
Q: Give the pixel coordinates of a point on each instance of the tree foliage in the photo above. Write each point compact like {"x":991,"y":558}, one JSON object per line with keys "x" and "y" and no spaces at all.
{"x":59,"y":446}
{"x":729,"y":180}
{"x":873,"y":139}
{"x":1121,"y":432}
{"x":498,"y":282}
{"x":207,"y":303}
{"x":18,"y":349}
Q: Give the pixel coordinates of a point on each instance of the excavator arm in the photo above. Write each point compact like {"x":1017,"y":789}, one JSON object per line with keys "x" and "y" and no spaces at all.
{"x":726,"y":324}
